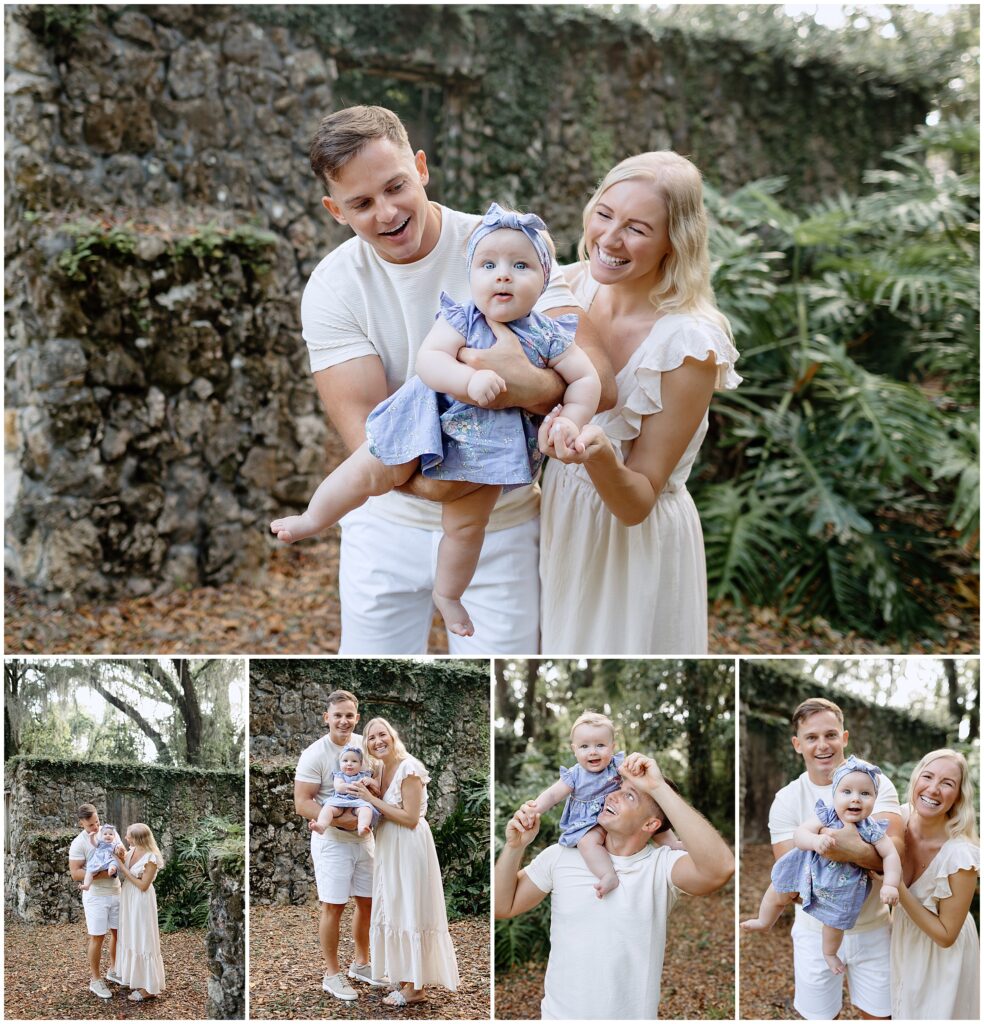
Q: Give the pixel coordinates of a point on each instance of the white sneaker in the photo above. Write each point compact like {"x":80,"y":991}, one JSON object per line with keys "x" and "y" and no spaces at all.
{"x":339,"y":987}
{"x":112,"y":976}
{"x":98,"y":987}
{"x":363,"y":972}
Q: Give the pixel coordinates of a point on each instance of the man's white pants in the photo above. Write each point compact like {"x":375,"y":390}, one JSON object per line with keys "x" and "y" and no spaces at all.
{"x":386,"y":575}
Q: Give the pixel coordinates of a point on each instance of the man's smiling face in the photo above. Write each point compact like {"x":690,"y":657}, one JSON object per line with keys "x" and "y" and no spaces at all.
{"x":627,"y":810}
{"x":821,"y":740}
{"x":341,"y":719}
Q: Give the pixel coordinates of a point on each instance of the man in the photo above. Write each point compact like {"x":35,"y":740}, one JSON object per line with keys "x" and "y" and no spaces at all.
{"x":343,"y":860}
{"x":366,"y":309}
{"x":820,"y":738}
{"x":606,"y":956}
{"x":101,"y":902}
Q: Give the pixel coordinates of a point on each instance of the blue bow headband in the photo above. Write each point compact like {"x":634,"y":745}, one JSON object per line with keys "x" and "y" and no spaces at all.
{"x":529,"y":223}
{"x":352,"y":750}
{"x":853,"y":764}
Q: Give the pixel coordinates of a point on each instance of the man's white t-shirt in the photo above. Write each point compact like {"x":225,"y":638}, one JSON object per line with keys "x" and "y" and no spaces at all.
{"x":606,"y":956}
{"x":356,"y":304}
{"x":82,"y":849}
{"x":317,"y":763}
{"x":797,"y":802}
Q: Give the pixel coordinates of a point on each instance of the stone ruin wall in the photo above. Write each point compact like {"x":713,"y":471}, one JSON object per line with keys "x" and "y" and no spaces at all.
{"x":439,"y":708}
{"x":161,"y":220}
{"x":42,"y":796}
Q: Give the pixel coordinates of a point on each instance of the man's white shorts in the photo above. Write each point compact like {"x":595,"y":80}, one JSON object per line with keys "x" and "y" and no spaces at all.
{"x":341,"y":869}
{"x":866,"y":955}
{"x":102,"y":911}
{"x":386,"y":575}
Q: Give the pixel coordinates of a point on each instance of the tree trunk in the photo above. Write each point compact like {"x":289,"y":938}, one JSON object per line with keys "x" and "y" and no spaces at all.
{"x":191,"y":711}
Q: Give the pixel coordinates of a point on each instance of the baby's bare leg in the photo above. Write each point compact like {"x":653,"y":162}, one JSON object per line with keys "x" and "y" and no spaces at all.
{"x":464,"y":523}
{"x":592,"y":847}
{"x":347,"y":487}
{"x":87,"y":882}
{"x":364,"y":817}
{"x":773,"y":904}
{"x":325,"y":818}
{"x":831,"y":943}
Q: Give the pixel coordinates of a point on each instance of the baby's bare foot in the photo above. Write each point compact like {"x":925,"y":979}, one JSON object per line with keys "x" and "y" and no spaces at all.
{"x":605,"y":884}
{"x":455,"y":617}
{"x":755,"y":925}
{"x":835,"y":963}
{"x":292,"y":528}
{"x":315,"y":827}
{"x":364,"y":830}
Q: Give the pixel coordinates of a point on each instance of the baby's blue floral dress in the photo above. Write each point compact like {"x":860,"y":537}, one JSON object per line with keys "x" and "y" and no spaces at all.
{"x":831,"y":892}
{"x":457,"y":441}
{"x":349,"y":799}
{"x":589,"y":790}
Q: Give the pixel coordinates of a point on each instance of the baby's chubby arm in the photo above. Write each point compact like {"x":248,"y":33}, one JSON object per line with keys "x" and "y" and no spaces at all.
{"x":550,"y":797}
{"x":891,"y":870}
{"x":438,"y":367}
{"x":807,"y":836}
{"x":581,"y":399}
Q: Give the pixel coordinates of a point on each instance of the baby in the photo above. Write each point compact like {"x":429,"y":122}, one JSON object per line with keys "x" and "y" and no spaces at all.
{"x":585,"y":787}
{"x":351,"y":770}
{"x":103,"y":858}
{"x":422,"y":427}
{"x":831,"y":891}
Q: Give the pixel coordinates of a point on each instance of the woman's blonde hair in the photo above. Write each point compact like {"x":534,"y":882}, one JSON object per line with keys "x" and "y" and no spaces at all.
{"x":961,"y":820}
{"x":684,"y":284}
{"x":398,"y":747}
{"x":142,"y":836}
{"x":593,"y":718}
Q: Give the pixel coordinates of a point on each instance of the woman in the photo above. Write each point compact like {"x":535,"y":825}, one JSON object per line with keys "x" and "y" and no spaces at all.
{"x":935,"y":949}
{"x":139,"y":964}
{"x":618,"y":525}
{"x":408,"y":932}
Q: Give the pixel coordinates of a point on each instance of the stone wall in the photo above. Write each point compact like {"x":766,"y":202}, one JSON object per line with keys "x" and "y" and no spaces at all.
{"x":42,"y":796}
{"x":440,"y":708}
{"x":161,"y":218}
{"x":884,"y":736}
{"x":226,"y":940}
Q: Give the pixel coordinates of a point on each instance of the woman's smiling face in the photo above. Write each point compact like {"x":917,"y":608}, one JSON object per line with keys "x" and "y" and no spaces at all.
{"x":378,"y":741}
{"x":937,"y":788}
{"x":627,"y":234}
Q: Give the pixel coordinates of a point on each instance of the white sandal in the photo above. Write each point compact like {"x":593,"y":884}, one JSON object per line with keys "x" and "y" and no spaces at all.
{"x":395,"y":998}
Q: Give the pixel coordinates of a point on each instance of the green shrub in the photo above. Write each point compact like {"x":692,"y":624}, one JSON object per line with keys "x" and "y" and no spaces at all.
{"x":462,"y":843}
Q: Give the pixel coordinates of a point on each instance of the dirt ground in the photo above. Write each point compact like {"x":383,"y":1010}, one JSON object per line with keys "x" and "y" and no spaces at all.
{"x":46,"y":976}
{"x":700,"y":936}
{"x":285,"y":969}
{"x":292,"y":608}
{"x":765,"y":959}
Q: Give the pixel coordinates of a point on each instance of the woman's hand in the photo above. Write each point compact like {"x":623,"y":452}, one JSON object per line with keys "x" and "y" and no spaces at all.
{"x":361,"y":790}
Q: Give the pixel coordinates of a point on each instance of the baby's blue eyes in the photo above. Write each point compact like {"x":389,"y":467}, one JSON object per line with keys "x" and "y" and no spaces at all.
{"x":518,"y":265}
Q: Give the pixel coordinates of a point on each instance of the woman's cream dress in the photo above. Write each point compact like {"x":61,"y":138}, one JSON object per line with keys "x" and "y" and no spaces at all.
{"x":928,"y":981}
{"x":138,"y":951}
{"x":607,"y":588}
{"x":408,"y":931}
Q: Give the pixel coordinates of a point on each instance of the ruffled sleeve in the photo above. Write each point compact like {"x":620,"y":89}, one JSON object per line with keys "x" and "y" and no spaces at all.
{"x":827,"y":815}
{"x":670,"y":342}
{"x":560,"y":334}
{"x":871,"y":829}
{"x":569,"y":776}
{"x":955,"y":855}
{"x":411,"y":766}
{"x":455,"y":314}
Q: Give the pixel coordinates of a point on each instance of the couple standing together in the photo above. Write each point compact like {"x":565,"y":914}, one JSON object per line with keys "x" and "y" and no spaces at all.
{"x":618,"y":524}
{"x":97,"y":860}
{"x":400,"y":926}
{"x":922,"y":962}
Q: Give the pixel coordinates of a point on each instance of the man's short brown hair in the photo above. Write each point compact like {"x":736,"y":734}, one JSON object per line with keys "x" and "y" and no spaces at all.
{"x":341,"y":135}
{"x":337,"y":696}
{"x":86,"y":811}
{"x":811,"y":707}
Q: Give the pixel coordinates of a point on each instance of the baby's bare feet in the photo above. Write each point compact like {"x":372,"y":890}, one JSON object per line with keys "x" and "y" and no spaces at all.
{"x":315,"y":827}
{"x":834,"y":962}
{"x":292,"y":528}
{"x":605,"y":884}
{"x":457,"y":620}
{"x":364,"y":830}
